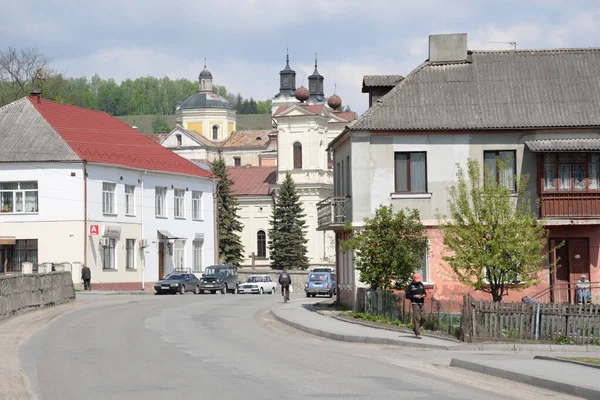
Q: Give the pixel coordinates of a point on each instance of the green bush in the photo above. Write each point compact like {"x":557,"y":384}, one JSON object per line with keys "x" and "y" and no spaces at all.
{"x":563,"y":340}
{"x":597,"y":343}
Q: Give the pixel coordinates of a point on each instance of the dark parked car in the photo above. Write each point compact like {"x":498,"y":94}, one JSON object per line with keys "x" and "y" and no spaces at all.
{"x":220,"y":278}
{"x":178,"y":282}
{"x":320,"y":283}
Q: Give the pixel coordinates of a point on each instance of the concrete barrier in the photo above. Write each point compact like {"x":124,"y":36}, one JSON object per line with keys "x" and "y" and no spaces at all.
{"x":20,"y":293}
{"x":298,"y":277}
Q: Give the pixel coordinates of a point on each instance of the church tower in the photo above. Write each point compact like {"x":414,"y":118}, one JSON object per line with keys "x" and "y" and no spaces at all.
{"x":315,"y":86}
{"x":287,"y":87}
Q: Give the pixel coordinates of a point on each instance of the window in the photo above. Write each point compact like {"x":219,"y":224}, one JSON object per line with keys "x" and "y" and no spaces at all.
{"x":506,"y":175}
{"x":411,"y":172}
{"x":179,"y":254}
{"x":424,"y":271}
{"x":129,"y":199}
{"x":338,"y":180}
{"x":108,"y":197}
{"x":130,"y":253}
{"x":261,"y":244}
{"x":347,"y":176}
{"x":196,"y":205}
{"x":297,"y":156}
{"x":197,"y":249}
{"x":160,"y":198}
{"x":18,"y":197}
{"x":179,"y":203}
{"x":571,"y":172}
{"x":215,"y":132}
{"x":178,"y":136}
{"x":108,"y":253}
{"x":330,"y":159}
{"x":25,"y":251}
{"x":237,"y":161}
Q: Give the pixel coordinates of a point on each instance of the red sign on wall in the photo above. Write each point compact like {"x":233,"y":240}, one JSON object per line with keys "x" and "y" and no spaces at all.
{"x":94,"y":229}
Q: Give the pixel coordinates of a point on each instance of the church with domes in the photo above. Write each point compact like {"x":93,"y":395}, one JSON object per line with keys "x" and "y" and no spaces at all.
{"x":304,"y":122}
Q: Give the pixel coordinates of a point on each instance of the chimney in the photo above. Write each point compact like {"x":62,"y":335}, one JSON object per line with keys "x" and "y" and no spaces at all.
{"x":272,"y":145}
{"x":448,"y":48}
{"x":36,"y":93}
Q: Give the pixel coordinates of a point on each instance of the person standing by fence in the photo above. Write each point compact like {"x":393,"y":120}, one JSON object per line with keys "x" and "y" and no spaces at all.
{"x":583,"y":290}
{"x":416,"y":293}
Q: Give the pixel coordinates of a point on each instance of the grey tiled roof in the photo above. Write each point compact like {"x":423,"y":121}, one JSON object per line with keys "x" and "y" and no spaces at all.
{"x":381,"y":80}
{"x":592,"y":144}
{"x":496,"y":89}
{"x":25,"y":136}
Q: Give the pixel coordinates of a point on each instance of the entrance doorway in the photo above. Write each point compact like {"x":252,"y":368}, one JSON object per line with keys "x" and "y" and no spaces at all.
{"x":7,"y":255}
{"x":572,"y":260}
{"x":161,"y":260}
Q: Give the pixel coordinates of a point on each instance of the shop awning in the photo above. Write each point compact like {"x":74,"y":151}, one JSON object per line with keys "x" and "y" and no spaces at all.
{"x":8,"y":240}
{"x":167,"y":234}
{"x":564,"y":145}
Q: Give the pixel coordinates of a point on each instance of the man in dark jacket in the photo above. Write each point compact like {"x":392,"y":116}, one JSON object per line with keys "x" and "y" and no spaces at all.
{"x":86,"y":276}
{"x":285,"y":280}
{"x":416,"y":293}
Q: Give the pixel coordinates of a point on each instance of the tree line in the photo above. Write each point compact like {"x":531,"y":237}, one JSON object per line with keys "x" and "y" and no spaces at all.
{"x":23,"y":70}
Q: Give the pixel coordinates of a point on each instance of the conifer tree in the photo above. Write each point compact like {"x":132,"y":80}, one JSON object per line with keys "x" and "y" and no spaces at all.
{"x":287,"y":236}
{"x":230,"y":242}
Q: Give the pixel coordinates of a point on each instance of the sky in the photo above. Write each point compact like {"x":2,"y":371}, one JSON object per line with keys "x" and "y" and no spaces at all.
{"x":245,"y":41}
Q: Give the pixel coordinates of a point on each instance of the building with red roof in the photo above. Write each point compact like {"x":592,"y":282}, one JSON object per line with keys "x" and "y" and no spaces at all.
{"x":81,"y":187}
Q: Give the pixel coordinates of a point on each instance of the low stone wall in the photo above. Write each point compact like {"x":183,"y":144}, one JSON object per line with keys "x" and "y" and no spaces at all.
{"x":298,"y":277}
{"x":23,"y":292}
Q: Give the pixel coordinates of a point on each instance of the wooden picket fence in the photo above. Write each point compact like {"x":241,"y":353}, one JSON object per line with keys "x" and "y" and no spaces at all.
{"x":487,"y":321}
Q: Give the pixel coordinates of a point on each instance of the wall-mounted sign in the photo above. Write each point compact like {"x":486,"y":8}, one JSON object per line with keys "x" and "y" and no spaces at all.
{"x":111,"y":231}
{"x":94,"y":230}
{"x":577,"y":256}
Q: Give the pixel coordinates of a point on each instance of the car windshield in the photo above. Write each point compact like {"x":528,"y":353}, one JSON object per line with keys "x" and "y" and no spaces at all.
{"x":174,"y":277}
{"x":253,"y":279}
{"x":215,"y":271}
{"x":318,"y":277}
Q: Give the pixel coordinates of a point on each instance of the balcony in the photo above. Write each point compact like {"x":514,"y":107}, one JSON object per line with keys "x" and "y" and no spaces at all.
{"x":570,"y":205}
{"x":333,"y":212}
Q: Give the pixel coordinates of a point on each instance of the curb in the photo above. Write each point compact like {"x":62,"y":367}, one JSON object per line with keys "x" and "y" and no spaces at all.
{"x":566,"y":361}
{"x":559,"y":387}
{"x":391,"y":329}
{"x":109,"y":292}
{"x":355,"y":339}
{"x":550,"y":348}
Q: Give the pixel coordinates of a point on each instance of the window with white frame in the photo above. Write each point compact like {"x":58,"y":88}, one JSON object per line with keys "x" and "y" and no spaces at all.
{"x":130,"y":254}
{"x":108,"y":198}
{"x":18,"y":197}
{"x":424,"y":271}
{"x":160,"y":201}
{"x":179,"y":203}
{"x":129,"y":199}
{"x":196,"y":205}
{"x":179,"y":254}
{"x":108,"y":254}
{"x":197,"y":249}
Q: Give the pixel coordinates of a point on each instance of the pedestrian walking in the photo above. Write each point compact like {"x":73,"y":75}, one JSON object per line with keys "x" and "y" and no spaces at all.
{"x":416,"y":293}
{"x":86,"y":276}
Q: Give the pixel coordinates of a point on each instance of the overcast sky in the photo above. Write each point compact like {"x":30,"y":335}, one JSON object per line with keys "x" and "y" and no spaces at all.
{"x":245,"y":40}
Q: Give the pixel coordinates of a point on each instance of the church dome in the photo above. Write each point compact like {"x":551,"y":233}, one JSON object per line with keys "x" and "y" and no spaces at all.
{"x":302,"y":94}
{"x":205,"y":74}
{"x":205,"y":100}
{"x":334,"y":101}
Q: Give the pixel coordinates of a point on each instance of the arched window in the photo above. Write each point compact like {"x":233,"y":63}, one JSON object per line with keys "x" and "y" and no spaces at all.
{"x":261,"y":244}
{"x":297,"y":156}
{"x":215,"y":132}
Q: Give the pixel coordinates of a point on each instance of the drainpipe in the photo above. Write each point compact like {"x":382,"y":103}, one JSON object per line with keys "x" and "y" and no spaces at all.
{"x":143,"y":266}
{"x":85,"y":214}
{"x":216,"y":221}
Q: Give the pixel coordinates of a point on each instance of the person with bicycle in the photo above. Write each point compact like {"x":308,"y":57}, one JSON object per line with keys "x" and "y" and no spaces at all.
{"x":285,"y":280}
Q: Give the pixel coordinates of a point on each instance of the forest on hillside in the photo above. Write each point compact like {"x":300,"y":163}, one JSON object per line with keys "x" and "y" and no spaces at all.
{"x":23,"y":70}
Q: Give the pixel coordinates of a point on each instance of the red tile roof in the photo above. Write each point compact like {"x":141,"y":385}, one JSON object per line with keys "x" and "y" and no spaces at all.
{"x":247,"y":139}
{"x":348,"y":116}
{"x":252,"y":181}
{"x":97,"y":137}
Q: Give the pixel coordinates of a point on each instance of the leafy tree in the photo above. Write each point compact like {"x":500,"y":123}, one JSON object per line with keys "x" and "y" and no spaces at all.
{"x":230,"y":243}
{"x":264,"y":107}
{"x":493,"y":238}
{"x":160,"y":125}
{"x":287,"y":236}
{"x":389,"y":248}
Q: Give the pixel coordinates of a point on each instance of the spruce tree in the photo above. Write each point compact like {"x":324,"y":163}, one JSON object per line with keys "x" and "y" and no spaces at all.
{"x":287,"y":240}
{"x":230,"y":242}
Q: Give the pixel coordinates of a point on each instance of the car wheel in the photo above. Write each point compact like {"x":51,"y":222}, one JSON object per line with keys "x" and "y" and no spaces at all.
{"x":213,"y":291}
{"x":330,"y":294}
{"x":262,"y":291}
{"x":307,"y":294}
{"x":197,"y":290}
{"x":224,"y":290}
{"x":182,"y":289}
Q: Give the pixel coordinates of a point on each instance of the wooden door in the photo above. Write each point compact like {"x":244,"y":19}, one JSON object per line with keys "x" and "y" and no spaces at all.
{"x":161,"y":260}
{"x":578,"y":263}
{"x":560,"y":277}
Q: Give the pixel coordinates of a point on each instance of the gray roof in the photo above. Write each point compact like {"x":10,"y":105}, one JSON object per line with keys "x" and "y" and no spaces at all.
{"x":205,"y":74}
{"x":494,"y":90}
{"x":587,"y":144}
{"x":205,"y":100}
{"x":25,"y":136}
{"x":381,"y":80}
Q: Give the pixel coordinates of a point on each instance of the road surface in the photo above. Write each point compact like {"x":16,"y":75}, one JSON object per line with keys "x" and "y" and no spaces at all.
{"x":227,"y":347}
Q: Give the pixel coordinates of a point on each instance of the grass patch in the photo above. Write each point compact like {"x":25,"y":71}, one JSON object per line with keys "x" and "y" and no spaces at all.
{"x":379,"y":319}
{"x":587,"y":360}
{"x":336,"y":305}
{"x":563,"y":340}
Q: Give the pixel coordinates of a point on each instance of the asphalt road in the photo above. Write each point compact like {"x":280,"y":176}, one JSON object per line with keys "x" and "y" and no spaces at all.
{"x":224,"y":347}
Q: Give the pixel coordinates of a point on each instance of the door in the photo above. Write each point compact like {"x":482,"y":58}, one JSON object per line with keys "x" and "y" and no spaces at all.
{"x":578,"y":263}
{"x":161,"y":260}
{"x":560,"y":277}
{"x":6,"y":257}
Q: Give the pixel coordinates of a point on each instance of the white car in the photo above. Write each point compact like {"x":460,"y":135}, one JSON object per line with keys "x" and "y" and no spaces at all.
{"x":259,"y":284}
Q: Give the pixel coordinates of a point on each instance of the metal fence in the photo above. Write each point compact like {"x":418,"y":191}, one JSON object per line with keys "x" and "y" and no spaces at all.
{"x":564,"y":323}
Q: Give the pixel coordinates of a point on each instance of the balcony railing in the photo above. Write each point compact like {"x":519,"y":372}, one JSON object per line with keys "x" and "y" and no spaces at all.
{"x":333,"y":212}
{"x":570,"y":205}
